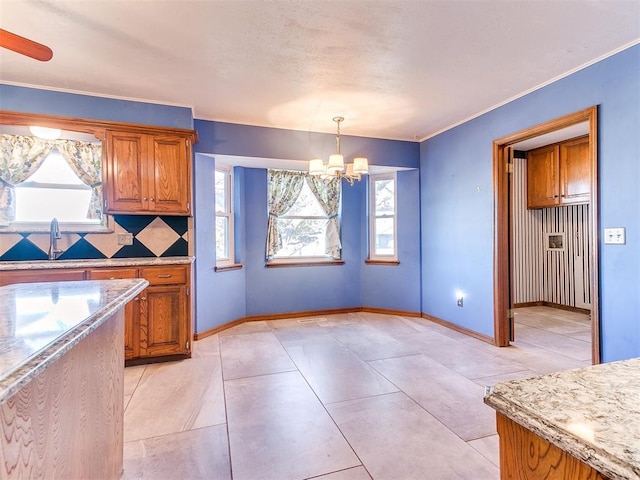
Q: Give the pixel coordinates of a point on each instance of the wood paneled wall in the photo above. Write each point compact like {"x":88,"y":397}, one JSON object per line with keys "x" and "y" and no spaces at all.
{"x":540,"y":275}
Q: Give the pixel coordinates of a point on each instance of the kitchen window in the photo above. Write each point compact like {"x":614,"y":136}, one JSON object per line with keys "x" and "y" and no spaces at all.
{"x":382,"y":218}
{"x":43,"y":179}
{"x":224,"y":215}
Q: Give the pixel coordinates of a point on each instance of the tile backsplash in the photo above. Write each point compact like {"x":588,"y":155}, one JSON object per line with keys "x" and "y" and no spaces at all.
{"x":153,"y":236}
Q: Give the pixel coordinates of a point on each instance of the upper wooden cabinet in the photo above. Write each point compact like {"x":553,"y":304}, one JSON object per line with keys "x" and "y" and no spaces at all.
{"x":559,"y":174}
{"x":147,"y":173}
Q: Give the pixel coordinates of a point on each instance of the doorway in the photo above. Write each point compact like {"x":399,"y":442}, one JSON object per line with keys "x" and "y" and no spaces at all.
{"x":502,"y":163}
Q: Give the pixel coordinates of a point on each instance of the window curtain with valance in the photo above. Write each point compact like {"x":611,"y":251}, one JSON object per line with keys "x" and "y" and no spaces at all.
{"x":20,"y":157}
{"x":283,"y":190}
{"x":327,"y":192}
{"x":85,"y":159}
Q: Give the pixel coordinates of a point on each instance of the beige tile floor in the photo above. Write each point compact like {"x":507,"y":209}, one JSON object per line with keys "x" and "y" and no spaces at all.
{"x":340,"y":397}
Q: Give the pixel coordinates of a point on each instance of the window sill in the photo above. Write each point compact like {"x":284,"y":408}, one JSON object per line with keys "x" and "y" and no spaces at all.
{"x":312,"y":263}
{"x":382,"y":262}
{"x":107,"y":226}
{"x":227,"y":268}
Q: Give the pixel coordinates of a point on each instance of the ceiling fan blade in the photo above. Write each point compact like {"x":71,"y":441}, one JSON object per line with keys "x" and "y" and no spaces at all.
{"x":25,"y":46}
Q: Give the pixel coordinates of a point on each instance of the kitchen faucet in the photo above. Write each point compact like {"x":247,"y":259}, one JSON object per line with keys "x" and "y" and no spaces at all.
{"x":54,"y":236}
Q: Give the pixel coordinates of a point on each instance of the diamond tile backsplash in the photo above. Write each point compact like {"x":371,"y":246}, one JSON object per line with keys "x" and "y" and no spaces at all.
{"x":153,"y":236}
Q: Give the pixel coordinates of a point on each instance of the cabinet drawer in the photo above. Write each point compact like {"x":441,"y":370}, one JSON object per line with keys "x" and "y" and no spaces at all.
{"x":33,"y":276}
{"x":164,"y":275}
{"x":112,"y":273}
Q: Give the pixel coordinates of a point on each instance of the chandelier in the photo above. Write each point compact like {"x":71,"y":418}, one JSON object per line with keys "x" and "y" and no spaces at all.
{"x":336,"y":166}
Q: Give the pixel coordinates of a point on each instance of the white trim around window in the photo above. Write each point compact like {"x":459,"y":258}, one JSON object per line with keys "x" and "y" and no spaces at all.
{"x":383,"y":224}
{"x":224,"y":228}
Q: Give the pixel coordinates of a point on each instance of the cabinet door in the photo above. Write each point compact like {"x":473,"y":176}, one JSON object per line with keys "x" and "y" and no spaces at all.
{"x":170,"y":174}
{"x":163,"y":329}
{"x":575,"y":171}
{"x":126,"y":172}
{"x":542,"y":177}
{"x":131,"y":309}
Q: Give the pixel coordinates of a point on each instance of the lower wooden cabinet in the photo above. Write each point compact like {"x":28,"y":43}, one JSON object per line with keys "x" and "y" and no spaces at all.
{"x":157,"y":322}
{"x":131,"y":309}
{"x":164,"y":312}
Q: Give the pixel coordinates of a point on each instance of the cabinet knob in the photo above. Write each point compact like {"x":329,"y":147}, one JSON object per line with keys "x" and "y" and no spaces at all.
{"x":152,"y":199}
{"x":144,"y":199}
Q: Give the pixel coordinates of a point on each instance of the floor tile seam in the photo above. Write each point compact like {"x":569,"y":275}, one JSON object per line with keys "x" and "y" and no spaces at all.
{"x":168,"y":434}
{"x":324,"y":407}
{"x":422,"y":406}
{"x":226,"y":412}
{"x":261,"y":375}
{"x":337,"y":471}
{"x":474,"y":378}
{"x":549,"y":351}
{"x":138,"y":382}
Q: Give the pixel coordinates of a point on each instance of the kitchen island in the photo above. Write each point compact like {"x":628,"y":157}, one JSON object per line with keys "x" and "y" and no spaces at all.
{"x":61,"y":378}
{"x":578,"y":424}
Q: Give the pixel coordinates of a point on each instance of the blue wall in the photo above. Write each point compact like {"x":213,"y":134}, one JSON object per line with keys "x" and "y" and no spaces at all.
{"x":457,"y":200}
{"x":397,"y":287}
{"x":297,"y":289}
{"x":32,"y":100}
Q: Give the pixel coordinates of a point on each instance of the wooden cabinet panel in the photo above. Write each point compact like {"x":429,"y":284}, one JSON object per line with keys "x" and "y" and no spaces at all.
{"x":125,"y":172}
{"x":131,"y":309}
{"x":165,"y":327}
{"x":170,"y":175}
{"x":526,"y":456}
{"x":542,"y":177}
{"x":559,"y":174}
{"x":147,"y":173}
{"x":33,"y":276}
{"x":161,"y":324}
{"x":157,"y":322}
{"x":575,"y":171}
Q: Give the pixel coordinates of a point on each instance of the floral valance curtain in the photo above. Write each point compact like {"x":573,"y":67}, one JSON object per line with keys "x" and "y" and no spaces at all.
{"x":283,"y":190}
{"x":20,"y":157}
{"x":85,"y":159}
{"x":327,"y":192}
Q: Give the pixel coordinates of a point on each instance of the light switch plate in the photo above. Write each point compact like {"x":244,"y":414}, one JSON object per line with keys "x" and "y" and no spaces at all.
{"x":614,"y":236}
{"x":125,"y":239}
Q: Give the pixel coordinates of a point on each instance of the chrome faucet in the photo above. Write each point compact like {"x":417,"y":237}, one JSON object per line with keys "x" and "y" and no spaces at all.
{"x":54,"y":236}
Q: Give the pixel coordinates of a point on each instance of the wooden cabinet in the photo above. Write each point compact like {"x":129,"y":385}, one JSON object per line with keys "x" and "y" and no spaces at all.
{"x":559,"y":174}
{"x":147,"y":173}
{"x":575,"y":171}
{"x":164,"y":312}
{"x":526,"y":456}
{"x":131,"y":309}
{"x":157,"y":322}
{"x":48,"y":275}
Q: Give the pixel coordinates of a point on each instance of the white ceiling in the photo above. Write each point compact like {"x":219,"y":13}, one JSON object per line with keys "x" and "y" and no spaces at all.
{"x":394,"y":69}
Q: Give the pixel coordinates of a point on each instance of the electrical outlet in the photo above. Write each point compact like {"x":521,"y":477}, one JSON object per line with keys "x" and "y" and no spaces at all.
{"x":614,"y":236}
{"x":125,"y":239}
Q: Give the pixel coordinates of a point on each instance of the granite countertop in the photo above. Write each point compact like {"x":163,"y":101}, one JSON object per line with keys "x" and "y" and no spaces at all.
{"x":111,"y":262}
{"x":593,"y":413}
{"x":39,"y":322}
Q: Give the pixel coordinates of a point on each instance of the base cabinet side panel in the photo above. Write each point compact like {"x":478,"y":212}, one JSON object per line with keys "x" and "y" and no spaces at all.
{"x":67,"y":422}
{"x":526,"y":456}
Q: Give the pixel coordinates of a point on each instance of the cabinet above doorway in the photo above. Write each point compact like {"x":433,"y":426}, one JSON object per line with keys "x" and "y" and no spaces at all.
{"x":559,"y":174}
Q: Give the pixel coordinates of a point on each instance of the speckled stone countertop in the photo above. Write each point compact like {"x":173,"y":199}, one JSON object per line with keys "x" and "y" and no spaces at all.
{"x":112,"y":262}
{"x":593,"y":413}
{"x":39,"y":322}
